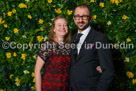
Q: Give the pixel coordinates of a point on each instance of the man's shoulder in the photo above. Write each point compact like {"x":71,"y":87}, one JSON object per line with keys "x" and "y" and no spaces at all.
{"x":98,"y":34}
{"x":74,"y":35}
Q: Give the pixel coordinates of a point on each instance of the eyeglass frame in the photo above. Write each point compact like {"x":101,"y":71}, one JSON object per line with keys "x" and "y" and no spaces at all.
{"x":59,"y":25}
{"x":86,"y":16}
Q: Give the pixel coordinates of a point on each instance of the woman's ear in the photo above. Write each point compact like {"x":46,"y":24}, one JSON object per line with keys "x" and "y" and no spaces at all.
{"x":54,"y":30}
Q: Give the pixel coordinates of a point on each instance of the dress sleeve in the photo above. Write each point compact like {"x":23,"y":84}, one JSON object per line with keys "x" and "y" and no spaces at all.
{"x":43,"y":52}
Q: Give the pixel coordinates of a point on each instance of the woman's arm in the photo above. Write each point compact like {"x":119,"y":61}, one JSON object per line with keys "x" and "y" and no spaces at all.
{"x":38,"y":67}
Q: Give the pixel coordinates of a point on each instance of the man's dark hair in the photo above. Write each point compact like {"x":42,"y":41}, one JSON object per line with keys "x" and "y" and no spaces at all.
{"x":84,"y":6}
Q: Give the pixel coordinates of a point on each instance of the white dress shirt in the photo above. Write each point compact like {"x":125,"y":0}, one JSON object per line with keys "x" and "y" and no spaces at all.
{"x":82,"y":38}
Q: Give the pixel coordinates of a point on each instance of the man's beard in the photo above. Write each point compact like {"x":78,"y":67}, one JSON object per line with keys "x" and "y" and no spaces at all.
{"x":83,"y":27}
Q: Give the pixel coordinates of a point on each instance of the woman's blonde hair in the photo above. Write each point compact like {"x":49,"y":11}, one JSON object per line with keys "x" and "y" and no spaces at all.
{"x":67,"y":38}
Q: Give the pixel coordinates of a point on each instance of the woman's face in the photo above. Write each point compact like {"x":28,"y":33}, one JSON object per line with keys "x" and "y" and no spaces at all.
{"x":61,"y":28}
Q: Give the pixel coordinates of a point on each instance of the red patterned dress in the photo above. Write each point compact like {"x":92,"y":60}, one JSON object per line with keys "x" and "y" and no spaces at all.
{"x":57,"y":66}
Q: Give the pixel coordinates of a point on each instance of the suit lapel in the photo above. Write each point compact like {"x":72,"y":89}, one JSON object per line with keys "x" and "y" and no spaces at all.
{"x":89,"y":39}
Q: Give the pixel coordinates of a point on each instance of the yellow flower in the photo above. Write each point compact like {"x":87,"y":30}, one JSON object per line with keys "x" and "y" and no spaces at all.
{"x":39,"y":38}
{"x":128,"y":40}
{"x":41,"y":28}
{"x":49,"y":1}
{"x":26,"y":72}
{"x":112,"y":1}
{"x":135,"y":30}
{"x":8,"y":54}
{"x":10,"y":76}
{"x":17,"y":81}
{"x":27,"y":0}
{"x":5,"y":25}
{"x":41,"y":21}
{"x":34,"y":57}
{"x":29,"y":16}
{"x":1,"y":90}
{"x":4,"y":13}
{"x":33,"y":88}
{"x":54,"y":6}
{"x":16,"y":30}
{"x":94,"y":17}
{"x":109,"y":22}
{"x":92,"y":1}
{"x":22,"y":5}
{"x":30,"y":43}
{"x":124,"y":17}
{"x":9,"y":13}
{"x":57,"y":11}
{"x":14,"y":54}
{"x":13,"y":11}
{"x":117,"y":2}
{"x":33,"y":74}
{"x":126,"y":59}
{"x":134,"y":81}
{"x":2,"y":21}
{"x":101,"y":4}
{"x":69,"y":12}
{"x":7,"y":38}
{"x":23,"y":56}
{"x":120,"y":0}
{"x":34,"y":79}
{"x":130,"y":74}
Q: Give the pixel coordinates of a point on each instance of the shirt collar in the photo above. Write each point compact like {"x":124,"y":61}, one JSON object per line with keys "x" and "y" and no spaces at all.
{"x":86,"y":31}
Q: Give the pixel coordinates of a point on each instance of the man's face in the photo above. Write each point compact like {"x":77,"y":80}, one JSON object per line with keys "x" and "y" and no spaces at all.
{"x":82,"y":18}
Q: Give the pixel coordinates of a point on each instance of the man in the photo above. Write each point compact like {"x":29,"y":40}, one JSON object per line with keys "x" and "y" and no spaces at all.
{"x":83,"y":74}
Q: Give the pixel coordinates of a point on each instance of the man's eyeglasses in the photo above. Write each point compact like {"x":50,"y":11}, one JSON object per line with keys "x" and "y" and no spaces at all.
{"x":84,"y":17}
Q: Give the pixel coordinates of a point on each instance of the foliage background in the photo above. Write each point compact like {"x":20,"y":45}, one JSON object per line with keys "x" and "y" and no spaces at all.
{"x":116,"y":18}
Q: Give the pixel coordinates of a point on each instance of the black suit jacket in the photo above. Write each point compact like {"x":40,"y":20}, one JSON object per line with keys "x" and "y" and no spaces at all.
{"x":83,"y":74}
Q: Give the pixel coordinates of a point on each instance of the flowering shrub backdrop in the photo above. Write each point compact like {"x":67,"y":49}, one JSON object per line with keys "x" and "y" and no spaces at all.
{"x":29,"y":21}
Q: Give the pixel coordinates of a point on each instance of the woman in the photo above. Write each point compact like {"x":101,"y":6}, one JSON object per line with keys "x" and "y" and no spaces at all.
{"x":55,"y":58}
